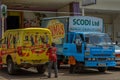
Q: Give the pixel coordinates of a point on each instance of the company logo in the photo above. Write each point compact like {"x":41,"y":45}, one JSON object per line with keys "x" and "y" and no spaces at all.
{"x":85,"y":22}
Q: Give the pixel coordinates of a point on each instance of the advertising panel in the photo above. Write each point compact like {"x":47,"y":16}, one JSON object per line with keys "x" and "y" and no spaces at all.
{"x":85,"y":24}
{"x":57,"y":27}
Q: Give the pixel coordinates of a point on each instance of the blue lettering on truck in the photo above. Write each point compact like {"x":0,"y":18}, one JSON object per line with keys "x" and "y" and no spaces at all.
{"x":85,"y":22}
{"x":81,"y":22}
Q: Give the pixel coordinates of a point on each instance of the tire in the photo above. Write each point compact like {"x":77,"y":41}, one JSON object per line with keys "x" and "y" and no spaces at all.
{"x":102,"y":69}
{"x":10,"y":67}
{"x":41,"y":69}
{"x":79,"y":67}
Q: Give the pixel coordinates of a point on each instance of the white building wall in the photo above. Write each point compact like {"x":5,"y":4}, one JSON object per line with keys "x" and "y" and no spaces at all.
{"x":112,"y":5}
{"x":116,"y":22}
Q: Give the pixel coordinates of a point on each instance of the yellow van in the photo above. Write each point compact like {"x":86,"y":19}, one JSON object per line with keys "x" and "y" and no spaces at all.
{"x":25,"y":48}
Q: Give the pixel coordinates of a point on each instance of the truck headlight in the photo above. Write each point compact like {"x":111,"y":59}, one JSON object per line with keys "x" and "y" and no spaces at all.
{"x":87,"y":54}
{"x":93,"y":59}
{"x":110,"y":58}
{"x":89,"y":59}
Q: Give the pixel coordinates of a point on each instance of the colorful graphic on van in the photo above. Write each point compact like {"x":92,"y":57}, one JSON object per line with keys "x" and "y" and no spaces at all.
{"x":57,"y":29}
{"x":10,"y":43}
{"x":11,"y":40}
{"x":37,"y":42}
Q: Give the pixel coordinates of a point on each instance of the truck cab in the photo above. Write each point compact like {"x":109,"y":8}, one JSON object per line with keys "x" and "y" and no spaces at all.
{"x":91,"y":49}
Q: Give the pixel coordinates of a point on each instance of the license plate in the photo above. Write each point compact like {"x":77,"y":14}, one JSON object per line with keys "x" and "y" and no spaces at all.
{"x":101,"y":64}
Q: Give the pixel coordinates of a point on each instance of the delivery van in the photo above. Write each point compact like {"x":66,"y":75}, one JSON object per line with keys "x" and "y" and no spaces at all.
{"x":25,"y":48}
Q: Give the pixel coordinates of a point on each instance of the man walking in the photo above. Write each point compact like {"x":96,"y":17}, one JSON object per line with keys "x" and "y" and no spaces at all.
{"x":52,"y":60}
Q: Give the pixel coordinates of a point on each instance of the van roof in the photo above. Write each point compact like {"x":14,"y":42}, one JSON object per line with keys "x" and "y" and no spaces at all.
{"x":27,"y":29}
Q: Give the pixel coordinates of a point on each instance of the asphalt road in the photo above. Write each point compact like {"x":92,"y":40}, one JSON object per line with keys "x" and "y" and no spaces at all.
{"x":88,"y":74}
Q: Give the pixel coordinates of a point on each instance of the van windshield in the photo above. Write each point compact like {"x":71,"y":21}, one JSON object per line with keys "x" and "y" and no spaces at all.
{"x":98,"y":39}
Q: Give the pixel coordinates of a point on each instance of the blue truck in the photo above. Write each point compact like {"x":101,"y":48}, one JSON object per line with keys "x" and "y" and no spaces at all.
{"x":83,"y":38}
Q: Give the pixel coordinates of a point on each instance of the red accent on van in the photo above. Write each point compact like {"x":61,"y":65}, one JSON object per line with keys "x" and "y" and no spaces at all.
{"x":0,"y":60}
{"x":19,"y":50}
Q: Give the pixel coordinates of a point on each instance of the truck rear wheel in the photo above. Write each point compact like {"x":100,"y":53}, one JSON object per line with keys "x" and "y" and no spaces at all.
{"x":102,"y":69}
{"x":41,"y":69}
{"x":79,"y":67}
{"x":10,"y":67}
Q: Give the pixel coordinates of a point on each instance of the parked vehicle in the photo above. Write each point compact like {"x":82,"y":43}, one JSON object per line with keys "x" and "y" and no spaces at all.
{"x":117,"y":54}
{"x":25,"y":48}
{"x":83,"y":38}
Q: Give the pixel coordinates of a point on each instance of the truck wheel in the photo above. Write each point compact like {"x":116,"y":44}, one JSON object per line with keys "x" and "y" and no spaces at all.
{"x":79,"y":67}
{"x":10,"y":67}
{"x":41,"y":69}
{"x":102,"y":69}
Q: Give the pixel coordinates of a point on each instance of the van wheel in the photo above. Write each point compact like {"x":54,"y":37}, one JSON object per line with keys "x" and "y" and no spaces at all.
{"x":10,"y":67}
{"x":102,"y":69}
{"x":41,"y":69}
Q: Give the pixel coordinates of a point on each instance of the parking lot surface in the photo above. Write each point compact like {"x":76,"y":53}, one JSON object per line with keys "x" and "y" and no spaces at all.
{"x":88,"y":74}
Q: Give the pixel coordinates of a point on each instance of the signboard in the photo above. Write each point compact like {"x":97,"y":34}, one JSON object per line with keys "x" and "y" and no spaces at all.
{"x":88,"y":2}
{"x":3,"y":10}
{"x":85,"y":24}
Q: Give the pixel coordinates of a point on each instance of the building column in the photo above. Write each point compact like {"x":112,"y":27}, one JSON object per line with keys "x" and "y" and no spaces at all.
{"x":3,"y":16}
{"x":75,"y":9}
